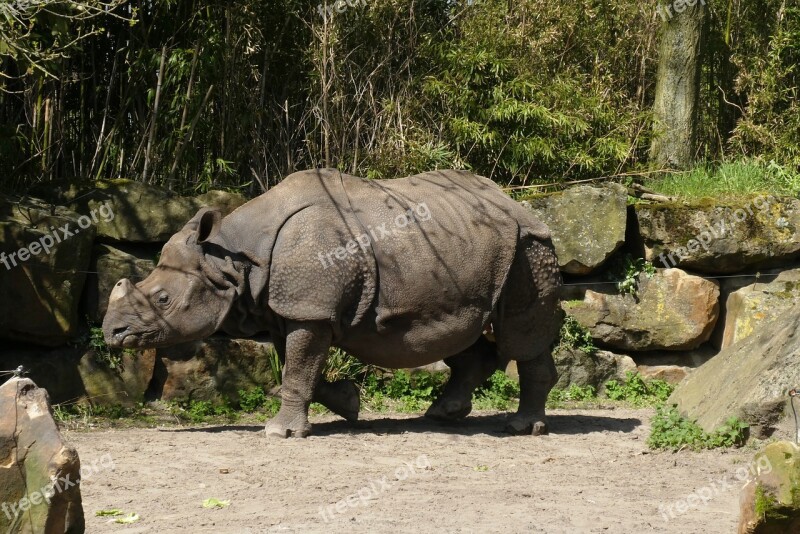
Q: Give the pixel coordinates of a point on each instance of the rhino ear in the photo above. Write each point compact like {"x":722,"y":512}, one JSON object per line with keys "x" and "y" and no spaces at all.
{"x":209,"y":224}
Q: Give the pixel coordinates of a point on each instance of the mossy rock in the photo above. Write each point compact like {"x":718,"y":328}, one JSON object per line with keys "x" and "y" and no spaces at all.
{"x":770,"y":502}
{"x":717,"y":237}
{"x":587,"y":224}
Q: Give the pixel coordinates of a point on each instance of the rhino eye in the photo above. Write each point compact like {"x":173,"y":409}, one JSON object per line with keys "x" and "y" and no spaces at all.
{"x":163,"y":298}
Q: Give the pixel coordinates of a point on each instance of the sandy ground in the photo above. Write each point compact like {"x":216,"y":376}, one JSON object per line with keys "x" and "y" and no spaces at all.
{"x":399,"y":473}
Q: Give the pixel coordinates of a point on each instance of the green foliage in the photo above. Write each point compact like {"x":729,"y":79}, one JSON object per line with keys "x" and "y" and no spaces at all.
{"x":514,"y":111}
{"x":669,"y":430}
{"x":635,"y":390}
{"x":575,"y":393}
{"x":199,"y":410}
{"x":769,"y":74}
{"x":421,"y":386}
{"x":252,"y":399}
{"x":626,"y":272}
{"x":496,"y":393}
{"x":341,"y":366}
{"x":275,"y":366}
{"x":574,"y":336}
{"x":103,"y":354}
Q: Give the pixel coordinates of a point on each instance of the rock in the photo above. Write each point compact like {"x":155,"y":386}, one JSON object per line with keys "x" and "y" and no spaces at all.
{"x":588,"y":224}
{"x":54,"y":369}
{"x":729,"y":285}
{"x":672,"y":366}
{"x":212,"y":370}
{"x":135,"y":212}
{"x":108,"y":266}
{"x":124,"y":385}
{"x":769,"y":502}
{"x":715,"y":238}
{"x":42,"y":293}
{"x":576,"y":367}
{"x":32,"y":457}
{"x":756,"y":305}
{"x":671,"y":311}
{"x":672,"y":374}
{"x":749,"y":379}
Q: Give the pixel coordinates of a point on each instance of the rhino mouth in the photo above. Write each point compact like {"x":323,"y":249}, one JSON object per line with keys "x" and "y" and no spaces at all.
{"x":125,"y":337}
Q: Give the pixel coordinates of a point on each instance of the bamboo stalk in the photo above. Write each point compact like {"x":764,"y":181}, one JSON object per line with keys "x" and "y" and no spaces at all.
{"x":152,"y":133}
{"x":189,"y":133}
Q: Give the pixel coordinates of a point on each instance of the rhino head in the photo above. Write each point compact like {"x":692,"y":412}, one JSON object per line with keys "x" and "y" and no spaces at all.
{"x":185,"y":298}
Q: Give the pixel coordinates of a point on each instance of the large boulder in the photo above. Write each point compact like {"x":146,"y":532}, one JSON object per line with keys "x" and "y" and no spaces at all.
{"x":213,"y":370}
{"x":717,"y":238}
{"x":109,"y":265}
{"x":39,"y":473}
{"x":759,"y":304}
{"x":770,"y":501}
{"x":576,"y":367}
{"x":118,"y":378}
{"x":136,"y":212}
{"x":44,"y":255}
{"x":749,"y":379}
{"x":672,"y":310}
{"x":588,"y":224}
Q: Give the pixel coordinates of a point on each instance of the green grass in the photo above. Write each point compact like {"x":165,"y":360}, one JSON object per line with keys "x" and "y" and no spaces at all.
{"x":637,"y":392}
{"x":731,"y":180}
{"x":671,"y":431}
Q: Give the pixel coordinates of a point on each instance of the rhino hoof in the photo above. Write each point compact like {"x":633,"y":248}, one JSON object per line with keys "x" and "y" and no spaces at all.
{"x":275,"y":429}
{"x":523,"y":427}
{"x":449,"y":410}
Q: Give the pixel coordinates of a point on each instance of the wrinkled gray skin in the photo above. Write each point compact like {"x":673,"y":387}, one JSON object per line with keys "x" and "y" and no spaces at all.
{"x":445,"y":255}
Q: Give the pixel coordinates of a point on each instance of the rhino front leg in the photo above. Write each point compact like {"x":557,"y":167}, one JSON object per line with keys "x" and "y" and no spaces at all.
{"x":341,"y":397}
{"x":307,"y":346}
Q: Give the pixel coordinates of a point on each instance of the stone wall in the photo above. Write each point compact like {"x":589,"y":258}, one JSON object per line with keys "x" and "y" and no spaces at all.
{"x":722,"y":271}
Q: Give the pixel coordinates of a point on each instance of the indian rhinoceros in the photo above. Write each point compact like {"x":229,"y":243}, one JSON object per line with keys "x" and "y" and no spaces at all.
{"x":399,"y":273}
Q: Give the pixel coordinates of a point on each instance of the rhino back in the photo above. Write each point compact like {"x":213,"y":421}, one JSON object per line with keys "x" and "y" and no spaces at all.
{"x":443,"y":244}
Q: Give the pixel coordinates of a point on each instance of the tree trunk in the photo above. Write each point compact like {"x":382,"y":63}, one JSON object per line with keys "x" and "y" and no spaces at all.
{"x":678,"y":85}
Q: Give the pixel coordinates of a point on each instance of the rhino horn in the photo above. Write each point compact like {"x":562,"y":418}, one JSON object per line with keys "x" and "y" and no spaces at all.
{"x":121,"y":289}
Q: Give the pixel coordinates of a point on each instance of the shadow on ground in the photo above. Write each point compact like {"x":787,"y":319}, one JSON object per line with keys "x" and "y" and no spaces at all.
{"x":471,"y":426}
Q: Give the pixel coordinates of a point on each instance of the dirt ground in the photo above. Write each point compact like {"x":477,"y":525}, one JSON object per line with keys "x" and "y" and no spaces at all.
{"x":400,"y":473}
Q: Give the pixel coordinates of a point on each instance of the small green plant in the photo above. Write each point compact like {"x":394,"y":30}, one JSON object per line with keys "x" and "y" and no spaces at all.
{"x":421,"y":386}
{"x":252,"y":399}
{"x":342,"y":366}
{"x":275,"y":366}
{"x":627,"y":271}
{"x":496,"y":393}
{"x":635,"y":390}
{"x":574,"y":336}
{"x":671,"y":431}
{"x":103,"y":354}
{"x":573,"y":393}
{"x":198,"y":411}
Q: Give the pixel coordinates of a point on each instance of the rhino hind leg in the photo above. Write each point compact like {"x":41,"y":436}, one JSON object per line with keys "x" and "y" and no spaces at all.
{"x":527,"y":324}
{"x":536,"y":378}
{"x":341,"y":397}
{"x":468,"y":370}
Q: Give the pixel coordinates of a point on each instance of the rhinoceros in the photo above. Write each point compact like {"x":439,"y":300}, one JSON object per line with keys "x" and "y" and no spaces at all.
{"x":399,"y":273}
